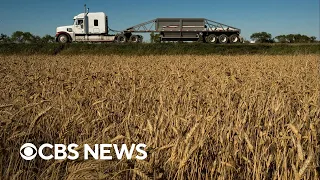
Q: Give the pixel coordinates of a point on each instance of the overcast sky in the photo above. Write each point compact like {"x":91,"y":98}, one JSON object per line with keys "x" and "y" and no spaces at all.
{"x":277,"y":17}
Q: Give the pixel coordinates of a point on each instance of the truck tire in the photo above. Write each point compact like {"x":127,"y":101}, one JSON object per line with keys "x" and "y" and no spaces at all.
{"x":122,"y":39}
{"x":134,"y":39}
{"x":234,"y":38}
{"x":62,"y":38}
{"x":223,"y":39}
{"x":211,"y":39}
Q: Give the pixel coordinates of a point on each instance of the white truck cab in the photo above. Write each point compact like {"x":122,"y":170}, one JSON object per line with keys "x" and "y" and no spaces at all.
{"x":97,"y":23}
{"x":92,"y":27}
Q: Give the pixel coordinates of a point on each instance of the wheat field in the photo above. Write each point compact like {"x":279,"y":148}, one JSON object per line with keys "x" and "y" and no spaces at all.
{"x":201,"y":117}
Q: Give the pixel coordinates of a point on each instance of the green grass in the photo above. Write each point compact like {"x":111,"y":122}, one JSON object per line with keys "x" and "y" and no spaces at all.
{"x":159,"y":49}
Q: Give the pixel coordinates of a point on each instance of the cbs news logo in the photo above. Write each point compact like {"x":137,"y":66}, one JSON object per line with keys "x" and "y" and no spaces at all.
{"x":29,"y":151}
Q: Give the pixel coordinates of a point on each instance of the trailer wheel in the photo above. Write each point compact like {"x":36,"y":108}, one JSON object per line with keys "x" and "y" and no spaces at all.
{"x":122,"y":39}
{"x":234,"y":38}
{"x":211,"y":38}
{"x":62,"y":38}
{"x":134,"y":39}
{"x":223,"y":39}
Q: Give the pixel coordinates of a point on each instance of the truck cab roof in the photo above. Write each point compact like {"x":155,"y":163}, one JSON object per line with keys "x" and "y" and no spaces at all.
{"x":94,"y":14}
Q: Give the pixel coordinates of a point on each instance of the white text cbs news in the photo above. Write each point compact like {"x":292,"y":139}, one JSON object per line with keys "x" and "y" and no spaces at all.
{"x":29,"y":151}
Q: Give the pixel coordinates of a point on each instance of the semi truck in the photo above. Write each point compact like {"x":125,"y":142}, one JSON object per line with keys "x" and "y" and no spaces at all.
{"x":94,"y":27}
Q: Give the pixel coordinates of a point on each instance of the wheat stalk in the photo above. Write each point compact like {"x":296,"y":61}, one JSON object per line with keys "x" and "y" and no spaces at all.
{"x":37,"y":118}
{"x":192,"y":130}
{"x":305,"y":164}
{"x":250,"y":146}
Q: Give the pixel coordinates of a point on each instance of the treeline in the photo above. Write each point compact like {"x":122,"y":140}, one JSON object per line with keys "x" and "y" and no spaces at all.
{"x":25,"y":37}
{"x":264,"y":37}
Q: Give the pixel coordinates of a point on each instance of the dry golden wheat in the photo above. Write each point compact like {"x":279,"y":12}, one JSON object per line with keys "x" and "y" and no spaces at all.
{"x":202,"y":117}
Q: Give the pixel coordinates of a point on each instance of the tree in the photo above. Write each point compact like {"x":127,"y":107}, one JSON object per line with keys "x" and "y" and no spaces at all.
{"x":298,"y":38}
{"x":4,"y":38}
{"x":36,"y":39}
{"x":22,"y":37}
{"x":17,"y":36}
{"x":295,"y":38}
{"x":313,"y":39}
{"x":291,"y":38}
{"x":281,"y":38}
{"x":262,"y":37}
{"x":47,"y":39}
{"x":154,"y":38}
{"x":27,"y":37}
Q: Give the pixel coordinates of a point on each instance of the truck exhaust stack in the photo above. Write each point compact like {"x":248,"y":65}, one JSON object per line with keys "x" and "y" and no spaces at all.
{"x":85,"y":20}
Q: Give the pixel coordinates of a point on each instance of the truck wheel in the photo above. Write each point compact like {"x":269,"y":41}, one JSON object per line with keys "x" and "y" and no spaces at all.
{"x":122,"y":39}
{"x":134,"y":39}
{"x":211,"y":39}
{"x":223,"y":39}
{"x":62,"y":38}
{"x":234,"y":38}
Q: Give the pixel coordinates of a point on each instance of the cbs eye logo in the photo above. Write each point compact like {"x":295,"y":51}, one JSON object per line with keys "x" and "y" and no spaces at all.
{"x":28,"y":151}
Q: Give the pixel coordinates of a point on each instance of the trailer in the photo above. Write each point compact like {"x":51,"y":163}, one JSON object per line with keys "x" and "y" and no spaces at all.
{"x":93,"y":27}
{"x":185,"y":29}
